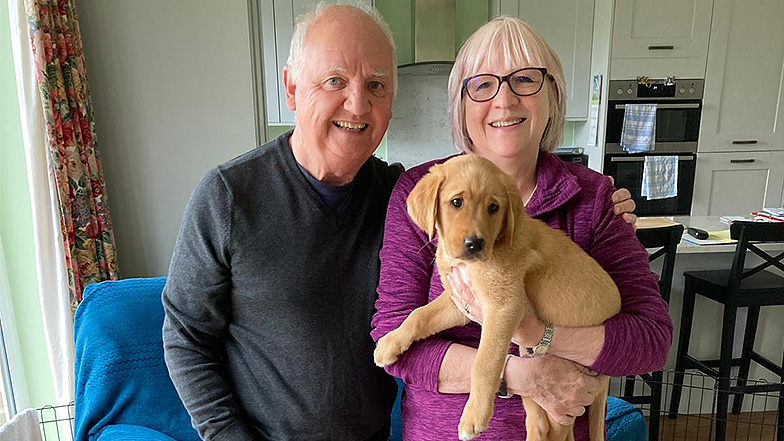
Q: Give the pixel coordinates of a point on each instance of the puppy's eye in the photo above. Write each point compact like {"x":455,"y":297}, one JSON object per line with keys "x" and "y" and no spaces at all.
{"x":456,"y":202}
{"x":492,"y":208}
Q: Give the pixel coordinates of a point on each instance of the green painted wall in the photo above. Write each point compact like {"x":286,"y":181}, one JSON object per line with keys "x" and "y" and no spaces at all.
{"x":275,"y":131}
{"x":469,"y":16}
{"x":17,"y":232}
{"x":399,"y":15}
{"x":568,"y":133}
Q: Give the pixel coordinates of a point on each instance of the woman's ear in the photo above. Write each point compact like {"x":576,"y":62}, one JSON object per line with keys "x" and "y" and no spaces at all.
{"x":422,"y":202}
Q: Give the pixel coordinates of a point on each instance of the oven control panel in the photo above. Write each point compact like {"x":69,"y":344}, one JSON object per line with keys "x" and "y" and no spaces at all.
{"x":680,"y":89}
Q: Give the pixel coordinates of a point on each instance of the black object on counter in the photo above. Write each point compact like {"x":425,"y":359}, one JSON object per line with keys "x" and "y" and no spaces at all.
{"x":699,"y":234}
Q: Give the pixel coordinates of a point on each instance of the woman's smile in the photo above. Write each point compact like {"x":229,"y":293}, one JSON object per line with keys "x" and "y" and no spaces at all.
{"x":507,"y":122}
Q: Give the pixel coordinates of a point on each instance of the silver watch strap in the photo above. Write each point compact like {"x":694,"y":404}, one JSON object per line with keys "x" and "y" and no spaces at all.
{"x":543,"y":346}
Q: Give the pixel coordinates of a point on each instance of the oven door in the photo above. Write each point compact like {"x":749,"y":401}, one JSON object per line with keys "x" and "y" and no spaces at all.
{"x":677,"y":125}
{"x":627,"y":171}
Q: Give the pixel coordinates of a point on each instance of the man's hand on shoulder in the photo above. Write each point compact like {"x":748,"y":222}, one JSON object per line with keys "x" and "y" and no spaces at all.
{"x":624,"y":205}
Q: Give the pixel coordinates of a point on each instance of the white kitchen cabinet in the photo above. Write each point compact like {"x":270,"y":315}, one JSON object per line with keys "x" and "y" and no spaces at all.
{"x":743,"y":108}
{"x":567,"y":25}
{"x":661,"y":38}
{"x":737,"y":183}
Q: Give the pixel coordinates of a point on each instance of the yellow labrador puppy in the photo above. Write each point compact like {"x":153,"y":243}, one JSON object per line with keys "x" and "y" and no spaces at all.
{"x":481,"y":223}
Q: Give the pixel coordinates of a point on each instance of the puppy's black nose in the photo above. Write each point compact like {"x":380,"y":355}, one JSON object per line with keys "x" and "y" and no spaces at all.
{"x":473,"y":245}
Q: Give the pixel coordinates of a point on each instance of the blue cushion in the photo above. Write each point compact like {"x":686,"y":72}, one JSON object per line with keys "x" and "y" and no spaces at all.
{"x":127,"y":432}
{"x":396,"y":432}
{"x":121,"y":377}
{"x":624,"y":421}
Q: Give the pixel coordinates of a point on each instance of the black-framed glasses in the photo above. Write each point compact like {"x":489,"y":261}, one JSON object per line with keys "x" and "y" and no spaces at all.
{"x":522,"y":82}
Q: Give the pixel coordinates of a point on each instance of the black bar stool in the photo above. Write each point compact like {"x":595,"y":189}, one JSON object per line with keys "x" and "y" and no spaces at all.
{"x":735,"y":288}
{"x":666,"y":239}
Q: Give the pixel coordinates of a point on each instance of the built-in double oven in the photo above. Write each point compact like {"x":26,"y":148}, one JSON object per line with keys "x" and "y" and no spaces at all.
{"x":678,"y":111}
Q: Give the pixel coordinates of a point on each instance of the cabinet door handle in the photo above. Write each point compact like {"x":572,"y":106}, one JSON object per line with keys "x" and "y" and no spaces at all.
{"x":742,"y":161}
{"x":744,"y":141}
{"x":661,"y":48}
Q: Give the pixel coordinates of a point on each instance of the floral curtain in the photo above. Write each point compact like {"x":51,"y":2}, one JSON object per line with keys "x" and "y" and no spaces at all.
{"x":70,"y":136}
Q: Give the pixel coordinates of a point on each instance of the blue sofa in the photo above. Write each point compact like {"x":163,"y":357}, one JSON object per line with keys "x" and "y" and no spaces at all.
{"x":123,"y":390}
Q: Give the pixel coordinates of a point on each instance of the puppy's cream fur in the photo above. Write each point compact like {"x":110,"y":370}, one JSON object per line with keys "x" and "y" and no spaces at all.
{"x":522,"y":256}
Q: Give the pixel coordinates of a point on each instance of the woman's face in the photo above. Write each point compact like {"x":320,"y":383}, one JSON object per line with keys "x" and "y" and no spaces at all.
{"x":508,"y":126}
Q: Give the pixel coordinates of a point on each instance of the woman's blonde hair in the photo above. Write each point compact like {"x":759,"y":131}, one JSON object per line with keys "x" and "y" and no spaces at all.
{"x":513,"y":43}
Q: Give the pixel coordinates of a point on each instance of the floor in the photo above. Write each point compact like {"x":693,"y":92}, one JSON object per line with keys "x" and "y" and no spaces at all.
{"x":750,"y":426}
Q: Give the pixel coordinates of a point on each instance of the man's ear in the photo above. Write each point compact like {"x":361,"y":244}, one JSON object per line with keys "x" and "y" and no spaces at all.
{"x":422,"y":202}
{"x":290,"y":87}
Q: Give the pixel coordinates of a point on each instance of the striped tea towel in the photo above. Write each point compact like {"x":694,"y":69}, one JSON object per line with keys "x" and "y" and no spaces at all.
{"x":660,"y":177}
{"x":638,"y":133}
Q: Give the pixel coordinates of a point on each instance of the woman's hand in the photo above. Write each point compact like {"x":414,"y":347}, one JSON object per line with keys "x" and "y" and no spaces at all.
{"x":463,"y":295}
{"x":561,"y":387}
{"x":528,"y":332}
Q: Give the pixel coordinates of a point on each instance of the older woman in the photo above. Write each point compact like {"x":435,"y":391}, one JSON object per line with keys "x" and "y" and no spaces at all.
{"x":507,"y":104}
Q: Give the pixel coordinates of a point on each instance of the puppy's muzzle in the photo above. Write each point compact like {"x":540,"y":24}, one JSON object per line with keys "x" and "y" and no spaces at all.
{"x":473,"y":247}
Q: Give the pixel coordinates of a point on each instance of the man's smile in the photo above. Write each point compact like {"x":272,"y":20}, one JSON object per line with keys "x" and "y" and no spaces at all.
{"x":353,"y":127}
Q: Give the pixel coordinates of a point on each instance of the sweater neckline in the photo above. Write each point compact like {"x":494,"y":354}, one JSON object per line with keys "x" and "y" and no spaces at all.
{"x":303,"y":187}
{"x":555,"y":184}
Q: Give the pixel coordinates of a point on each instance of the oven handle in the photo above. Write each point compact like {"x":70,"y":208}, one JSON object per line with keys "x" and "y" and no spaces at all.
{"x":666,"y":106}
{"x":642,"y":158}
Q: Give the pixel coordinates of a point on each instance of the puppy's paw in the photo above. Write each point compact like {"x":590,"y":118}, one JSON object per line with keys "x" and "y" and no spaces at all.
{"x":475,"y":419}
{"x":467,"y":435}
{"x":389,"y":348}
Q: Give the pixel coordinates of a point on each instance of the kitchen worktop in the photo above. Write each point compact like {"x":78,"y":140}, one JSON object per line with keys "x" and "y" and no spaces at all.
{"x":707,"y":223}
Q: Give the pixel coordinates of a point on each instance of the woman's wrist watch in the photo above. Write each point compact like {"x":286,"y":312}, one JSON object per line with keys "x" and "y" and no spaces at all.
{"x":543,"y":347}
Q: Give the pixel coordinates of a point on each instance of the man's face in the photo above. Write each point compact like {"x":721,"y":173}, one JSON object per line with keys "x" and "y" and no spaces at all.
{"x":343,"y":96}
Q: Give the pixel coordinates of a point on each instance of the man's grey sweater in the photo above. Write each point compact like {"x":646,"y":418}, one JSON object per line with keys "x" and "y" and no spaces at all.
{"x":269,"y":300}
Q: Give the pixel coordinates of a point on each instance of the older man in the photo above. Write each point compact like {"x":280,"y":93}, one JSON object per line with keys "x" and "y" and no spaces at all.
{"x":273,"y":278}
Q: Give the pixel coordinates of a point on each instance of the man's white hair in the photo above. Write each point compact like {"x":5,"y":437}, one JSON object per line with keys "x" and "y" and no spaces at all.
{"x":306,"y":20}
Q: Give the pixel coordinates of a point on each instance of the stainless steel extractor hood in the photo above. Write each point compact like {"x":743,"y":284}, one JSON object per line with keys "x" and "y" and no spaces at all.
{"x":434,"y":38}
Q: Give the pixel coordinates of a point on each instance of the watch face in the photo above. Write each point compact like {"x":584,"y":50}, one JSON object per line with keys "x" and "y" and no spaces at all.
{"x":540,"y":349}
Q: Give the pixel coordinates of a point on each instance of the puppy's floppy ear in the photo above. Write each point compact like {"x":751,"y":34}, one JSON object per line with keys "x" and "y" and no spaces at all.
{"x":422,"y":202}
{"x":512,"y":216}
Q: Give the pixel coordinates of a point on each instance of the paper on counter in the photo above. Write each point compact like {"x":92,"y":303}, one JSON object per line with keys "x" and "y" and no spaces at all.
{"x":719,"y":237}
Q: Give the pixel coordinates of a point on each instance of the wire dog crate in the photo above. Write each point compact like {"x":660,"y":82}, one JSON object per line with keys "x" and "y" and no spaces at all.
{"x":56,"y":422}
{"x":696,"y":419}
